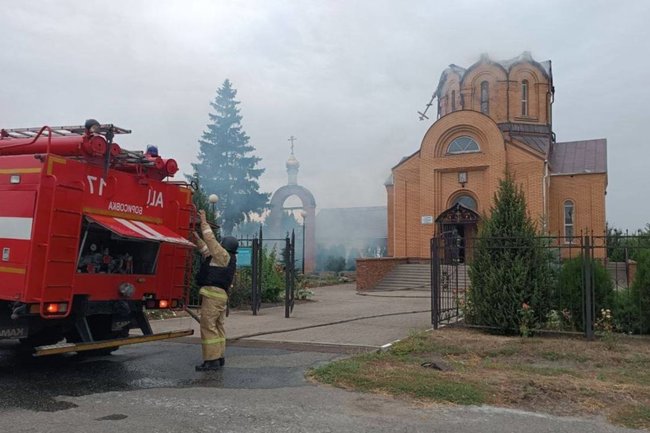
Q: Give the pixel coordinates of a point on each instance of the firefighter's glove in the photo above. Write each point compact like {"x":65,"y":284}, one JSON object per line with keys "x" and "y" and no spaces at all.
{"x":202,"y":216}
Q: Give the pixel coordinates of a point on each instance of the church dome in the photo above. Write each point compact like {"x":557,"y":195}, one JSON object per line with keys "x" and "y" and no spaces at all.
{"x":292,"y":162}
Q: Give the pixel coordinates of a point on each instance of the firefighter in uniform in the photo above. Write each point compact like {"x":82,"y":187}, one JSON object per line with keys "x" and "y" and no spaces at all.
{"x":215,"y":277}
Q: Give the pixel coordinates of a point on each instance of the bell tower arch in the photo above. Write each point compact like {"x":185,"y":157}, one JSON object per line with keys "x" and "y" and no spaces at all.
{"x":308,"y":206}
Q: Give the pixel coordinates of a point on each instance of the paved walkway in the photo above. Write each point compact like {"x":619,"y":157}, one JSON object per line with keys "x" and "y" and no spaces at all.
{"x":335,"y":316}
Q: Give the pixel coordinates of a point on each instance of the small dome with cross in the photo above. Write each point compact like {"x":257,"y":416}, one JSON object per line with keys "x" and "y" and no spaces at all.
{"x":292,"y":162}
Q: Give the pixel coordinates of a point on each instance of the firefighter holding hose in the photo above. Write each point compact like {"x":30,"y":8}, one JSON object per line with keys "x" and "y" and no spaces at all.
{"x":215,"y":278}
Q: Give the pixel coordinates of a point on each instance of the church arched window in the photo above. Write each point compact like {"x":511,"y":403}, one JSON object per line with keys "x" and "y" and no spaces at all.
{"x":453,"y":100}
{"x":467,"y":201}
{"x":485,"y":98}
{"x":569,"y":210}
{"x":524,"y":98}
{"x":463,"y":144}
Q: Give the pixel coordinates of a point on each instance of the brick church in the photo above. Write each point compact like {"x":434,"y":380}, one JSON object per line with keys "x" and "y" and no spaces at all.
{"x":493,"y":117}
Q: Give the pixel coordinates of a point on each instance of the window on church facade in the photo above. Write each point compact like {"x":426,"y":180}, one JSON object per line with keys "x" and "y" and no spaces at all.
{"x":524,"y":98}
{"x":467,"y":201}
{"x":463,"y":144}
{"x":568,"y":221}
{"x":453,"y":100}
{"x":485,"y":98}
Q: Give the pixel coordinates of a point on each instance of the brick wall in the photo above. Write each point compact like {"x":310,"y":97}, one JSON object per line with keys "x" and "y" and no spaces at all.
{"x":587,"y":193}
{"x":434,"y":188}
{"x":505,"y":92}
{"x":406,"y":204}
{"x":527,"y":170}
{"x":372,"y":271}
{"x":390,"y":206}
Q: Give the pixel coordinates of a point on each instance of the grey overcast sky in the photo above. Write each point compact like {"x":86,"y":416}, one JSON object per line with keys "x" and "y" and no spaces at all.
{"x":345,"y":77}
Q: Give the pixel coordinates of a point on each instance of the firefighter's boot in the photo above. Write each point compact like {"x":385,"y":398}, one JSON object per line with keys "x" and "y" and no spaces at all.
{"x":212,"y":365}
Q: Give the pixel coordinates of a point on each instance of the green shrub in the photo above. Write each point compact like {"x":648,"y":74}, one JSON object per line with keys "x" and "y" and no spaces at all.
{"x":632,"y":311}
{"x":569,"y":289}
{"x":273,"y":276}
{"x":627,"y":313}
{"x":273,"y":281}
{"x":510,"y":273}
{"x":240,"y":294}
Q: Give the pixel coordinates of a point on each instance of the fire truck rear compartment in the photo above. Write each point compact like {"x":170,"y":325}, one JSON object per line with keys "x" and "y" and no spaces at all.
{"x":88,"y":239}
{"x":88,"y":322}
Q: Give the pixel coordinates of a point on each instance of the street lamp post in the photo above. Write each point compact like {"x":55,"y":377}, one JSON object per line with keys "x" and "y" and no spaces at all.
{"x":213,"y":199}
{"x":303,"y":214}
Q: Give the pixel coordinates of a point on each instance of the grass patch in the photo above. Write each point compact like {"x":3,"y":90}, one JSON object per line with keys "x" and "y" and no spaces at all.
{"x":420,"y":343}
{"x":509,"y":350}
{"x":561,"y":376}
{"x":543,"y":370}
{"x":633,"y":417}
{"x":434,"y":387}
{"x":551,"y":356}
{"x":345,"y":370}
{"x":372,"y":374}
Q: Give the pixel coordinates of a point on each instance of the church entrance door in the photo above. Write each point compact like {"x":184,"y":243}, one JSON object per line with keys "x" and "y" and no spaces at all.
{"x":457,"y":226}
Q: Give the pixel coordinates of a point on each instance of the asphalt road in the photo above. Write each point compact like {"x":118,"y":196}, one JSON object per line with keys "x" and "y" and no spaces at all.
{"x":154,"y":388}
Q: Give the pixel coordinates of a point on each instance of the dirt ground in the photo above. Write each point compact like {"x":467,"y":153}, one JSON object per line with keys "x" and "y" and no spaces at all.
{"x":609,"y":377}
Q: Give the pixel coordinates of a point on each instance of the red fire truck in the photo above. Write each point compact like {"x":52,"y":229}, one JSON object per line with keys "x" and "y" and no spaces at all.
{"x":91,"y":236}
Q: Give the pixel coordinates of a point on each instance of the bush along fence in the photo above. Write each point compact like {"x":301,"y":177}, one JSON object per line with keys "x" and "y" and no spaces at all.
{"x":588,"y":284}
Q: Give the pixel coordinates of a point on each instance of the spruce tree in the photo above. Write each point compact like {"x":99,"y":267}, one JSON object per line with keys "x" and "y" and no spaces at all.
{"x":511,"y":275}
{"x":226,"y":164}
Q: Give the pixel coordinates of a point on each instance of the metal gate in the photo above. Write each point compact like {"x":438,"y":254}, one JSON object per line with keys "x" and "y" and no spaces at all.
{"x":289,"y":266}
{"x":256,"y":273}
{"x":449,"y":279}
{"x":290,"y":274}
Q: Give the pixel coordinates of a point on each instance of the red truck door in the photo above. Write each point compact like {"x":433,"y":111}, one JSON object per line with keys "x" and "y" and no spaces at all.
{"x":16,"y":220}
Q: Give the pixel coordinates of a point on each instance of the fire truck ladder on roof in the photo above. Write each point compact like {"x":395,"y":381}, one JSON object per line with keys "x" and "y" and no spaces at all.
{"x":60,"y":131}
{"x":125,"y":156}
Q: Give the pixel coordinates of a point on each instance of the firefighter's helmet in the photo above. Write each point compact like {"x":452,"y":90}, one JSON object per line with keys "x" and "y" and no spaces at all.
{"x":91,"y":125}
{"x":230,"y":244}
{"x":152,"y":150}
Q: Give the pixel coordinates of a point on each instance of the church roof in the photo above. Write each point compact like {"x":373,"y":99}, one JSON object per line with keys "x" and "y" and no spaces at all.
{"x":536,"y":137}
{"x":579,"y":157}
{"x":538,"y":143}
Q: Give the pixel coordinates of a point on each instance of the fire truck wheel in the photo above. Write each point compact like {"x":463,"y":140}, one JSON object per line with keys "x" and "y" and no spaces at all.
{"x":100,"y":327}
{"x":42,"y":338}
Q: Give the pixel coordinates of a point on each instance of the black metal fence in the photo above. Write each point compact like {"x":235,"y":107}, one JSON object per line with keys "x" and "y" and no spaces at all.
{"x":587,"y":284}
{"x":290,"y":274}
{"x":250,"y":268}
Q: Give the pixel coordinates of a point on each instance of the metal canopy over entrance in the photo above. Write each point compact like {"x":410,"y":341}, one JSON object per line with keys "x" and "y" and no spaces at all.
{"x":140,"y":230}
{"x":458,"y":214}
